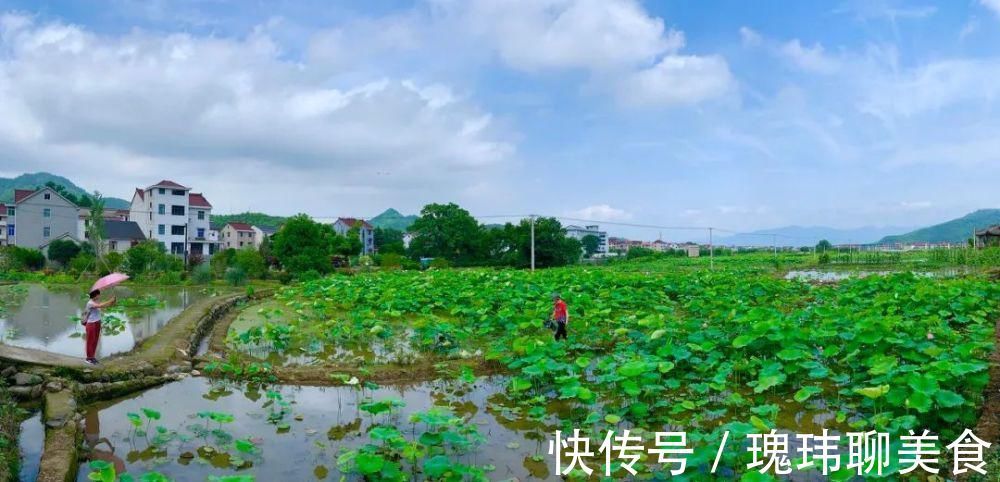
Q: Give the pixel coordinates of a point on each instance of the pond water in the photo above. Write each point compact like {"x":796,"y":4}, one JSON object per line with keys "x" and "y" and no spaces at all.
{"x":821,"y":275}
{"x":40,"y":317}
{"x":323,"y":422}
{"x":31,"y":442}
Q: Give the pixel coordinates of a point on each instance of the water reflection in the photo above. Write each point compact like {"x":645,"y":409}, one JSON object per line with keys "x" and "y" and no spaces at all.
{"x":39,"y":317}
{"x":31,"y":442}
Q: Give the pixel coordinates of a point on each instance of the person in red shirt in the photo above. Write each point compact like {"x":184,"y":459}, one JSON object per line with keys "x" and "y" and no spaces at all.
{"x":560,"y":315}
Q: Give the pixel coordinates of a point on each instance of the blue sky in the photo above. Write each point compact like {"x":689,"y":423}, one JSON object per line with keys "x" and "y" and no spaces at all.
{"x":744,"y":115}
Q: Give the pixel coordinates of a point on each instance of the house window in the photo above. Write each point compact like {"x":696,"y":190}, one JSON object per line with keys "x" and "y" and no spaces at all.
{"x":47,"y":196}
{"x":178,"y":192}
{"x":162,"y":209}
{"x":201,"y":215}
{"x":46,"y":213}
{"x":113,"y":245}
{"x":10,"y":230}
{"x":241,"y":244}
{"x":161,"y":229}
{"x":162,"y":191}
{"x":177,"y":210}
{"x":46,"y":231}
{"x":10,"y":211}
{"x":177,"y":230}
{"x":201,"y":232}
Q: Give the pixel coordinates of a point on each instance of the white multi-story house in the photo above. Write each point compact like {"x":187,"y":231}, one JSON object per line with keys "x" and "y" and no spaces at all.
{"x":578,"y":232}
{"x":366,"y":232}
{"x":3,"y":226}
{"x":173,"y":215}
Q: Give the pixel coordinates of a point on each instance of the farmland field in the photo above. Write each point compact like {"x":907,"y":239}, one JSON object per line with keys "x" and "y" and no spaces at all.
{"x":652,"y":347}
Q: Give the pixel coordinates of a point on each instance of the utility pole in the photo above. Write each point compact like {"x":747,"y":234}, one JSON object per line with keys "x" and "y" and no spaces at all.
{"x":711,"y":251}
{"x":532,"y":217}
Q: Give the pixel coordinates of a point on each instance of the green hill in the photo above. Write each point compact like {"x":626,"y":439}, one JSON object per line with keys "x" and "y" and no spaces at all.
{"x":954,"y":231}
{"x":257,"y":219}
{"x":38,"y":179}
{"x":392,"y":219}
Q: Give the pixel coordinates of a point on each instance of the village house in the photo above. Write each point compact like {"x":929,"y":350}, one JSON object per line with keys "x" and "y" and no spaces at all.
{"x":39,"y":217}
{"x":366,"y":232}
{"x":119,"y":236}
{"x":3,"y":225}
{"x":238,"y":236}
{"x":988,"y":237}
{"x":176,"y":217}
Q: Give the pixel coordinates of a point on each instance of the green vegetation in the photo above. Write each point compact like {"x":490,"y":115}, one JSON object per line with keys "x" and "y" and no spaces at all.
{"x":955,"y":231}
{"x":64,"y":186}
{"x":10,"y":420}
{"x":392,"y":219}
{"x":254,"y":218}
{"x":63,"y":250}
{"x":652,"y":345}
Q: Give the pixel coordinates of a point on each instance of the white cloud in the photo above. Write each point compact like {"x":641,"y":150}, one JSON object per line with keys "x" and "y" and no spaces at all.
{"x":933,"y":86}
{"x":812,"y":59}
{"x":601,"y":212}
{"x":993,"y":5}
{"x":750,"y":37}
{"x":589,"y":34}
{"x":146,"y":103}
{"x":623,"y":47}
{"x":678,"y":79}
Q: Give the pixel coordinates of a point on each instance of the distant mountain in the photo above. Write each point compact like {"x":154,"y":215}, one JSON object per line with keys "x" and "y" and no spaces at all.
{"x":257,"y":219}
{"x":954,"y":231}
{"x":810,"y":235}
{"x":38,"y":179}
{"x":392,"y":219}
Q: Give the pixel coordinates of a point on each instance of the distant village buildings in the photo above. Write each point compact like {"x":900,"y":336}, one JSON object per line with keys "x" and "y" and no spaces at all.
{"x":366,"y":231}
{"x":580,"y":232}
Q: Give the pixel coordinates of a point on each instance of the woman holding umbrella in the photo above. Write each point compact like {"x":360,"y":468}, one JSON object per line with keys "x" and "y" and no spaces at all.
{"x":92,"y":313}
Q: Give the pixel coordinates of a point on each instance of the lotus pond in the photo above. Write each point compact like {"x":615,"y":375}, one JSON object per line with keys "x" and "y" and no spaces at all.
{"x":47,"y":317}
{"x":738,"y":350}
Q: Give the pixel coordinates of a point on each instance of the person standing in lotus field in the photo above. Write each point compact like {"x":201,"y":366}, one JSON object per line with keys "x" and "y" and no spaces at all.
{"x":92,"y":323}
{"x":560,"y":315}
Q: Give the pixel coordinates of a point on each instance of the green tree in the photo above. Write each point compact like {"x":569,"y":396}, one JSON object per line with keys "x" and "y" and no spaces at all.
{"x":303,"y":244}
{"x":139,"y":259}
{"x":389,"y":241}
{"x":25,"y":258}
{"x":250,"y":262}
{"x":510,"y":245}
{"x":349,"y":244}
{"x":447,"y":231}
{"x":95,"y":225}
{"x":590,"y":244}
{"x":823,"y":245}
{"x":62,"y":251}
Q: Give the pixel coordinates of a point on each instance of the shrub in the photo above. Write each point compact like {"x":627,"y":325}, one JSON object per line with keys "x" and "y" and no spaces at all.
{"x":140,"y":258}
{"x":170,"y":278}
{"x":113,"y":261}
{"x":222,"y":260}
{"x":390,"y":260}
{"x":236,"y":276}
{"x":309,"y":275}
{"x":83,"y":262}
{"x":25,"y":259}
{"x":62,"y":251}
{"x":202,"y":274}
{"x":284,"y":277}
{"x":438,"y":263}
{"x":250,"y":261}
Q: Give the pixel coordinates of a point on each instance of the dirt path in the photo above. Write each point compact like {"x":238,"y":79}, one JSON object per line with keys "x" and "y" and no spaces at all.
{"x":988,"y":427}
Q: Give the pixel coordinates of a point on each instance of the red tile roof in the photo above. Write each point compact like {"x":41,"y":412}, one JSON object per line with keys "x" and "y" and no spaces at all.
{"x":166,"y":183}
{"x":196,"y":199}
{"x":20,"y":194}
{"x":3,"y":209}
{"x":351,"y":222}
{"x":142,"y":195}
{"x":241,"y":226}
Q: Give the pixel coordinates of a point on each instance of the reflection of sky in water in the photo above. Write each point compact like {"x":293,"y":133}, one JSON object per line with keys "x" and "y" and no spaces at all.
{"x":331,"y":418}
{"x":42,"y":320}
{"x":31,"y":440}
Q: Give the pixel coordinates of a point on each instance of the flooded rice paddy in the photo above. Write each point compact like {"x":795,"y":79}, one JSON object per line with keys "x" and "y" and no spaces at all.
{"x":45,"y":317}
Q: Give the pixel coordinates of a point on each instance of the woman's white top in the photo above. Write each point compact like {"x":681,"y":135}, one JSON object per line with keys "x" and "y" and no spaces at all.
{"x":93,"y":313}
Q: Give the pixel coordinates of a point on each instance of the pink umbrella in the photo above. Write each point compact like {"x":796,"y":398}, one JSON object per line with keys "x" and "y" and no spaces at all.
{"x":109,"y":281}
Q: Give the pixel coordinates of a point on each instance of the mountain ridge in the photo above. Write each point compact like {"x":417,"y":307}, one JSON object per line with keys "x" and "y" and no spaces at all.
{"x":36,"y":180}
{"x":957,"y":230}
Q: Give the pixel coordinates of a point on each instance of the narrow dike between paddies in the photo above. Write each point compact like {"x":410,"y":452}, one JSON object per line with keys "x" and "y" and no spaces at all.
{"x":63,"y":385}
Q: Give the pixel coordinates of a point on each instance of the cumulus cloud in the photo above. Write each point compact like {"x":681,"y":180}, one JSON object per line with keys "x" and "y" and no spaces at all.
{"x":750,"y":37}
{"x":813,"y":59}
{"x":150,"y":102}
{"x":625,"y":49}
{"x":602,"y":212}
{"x":678,"y":79}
